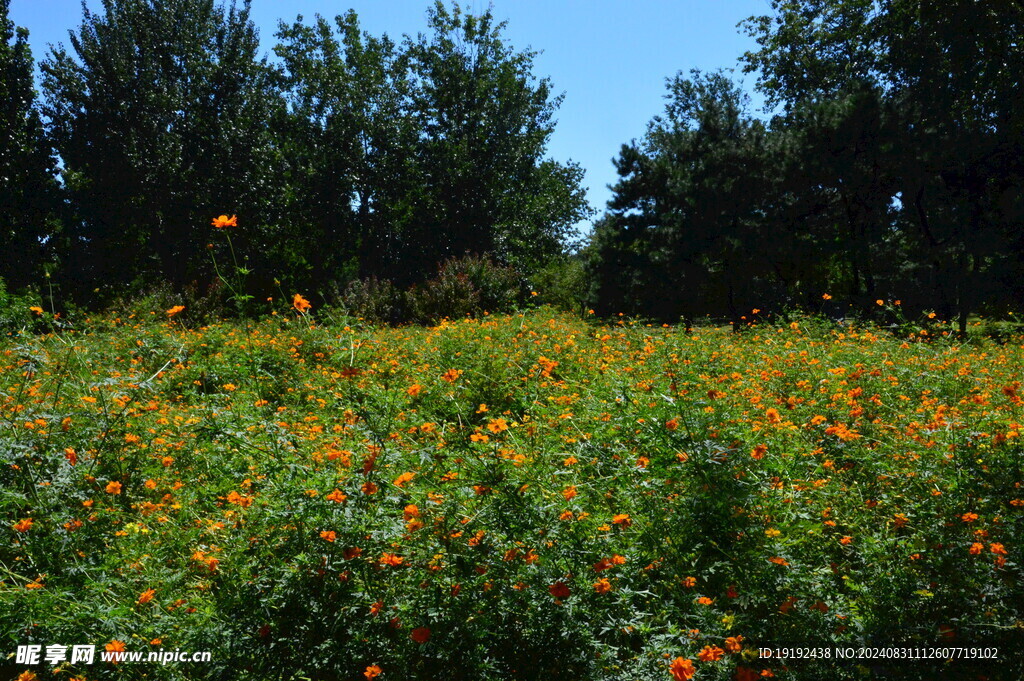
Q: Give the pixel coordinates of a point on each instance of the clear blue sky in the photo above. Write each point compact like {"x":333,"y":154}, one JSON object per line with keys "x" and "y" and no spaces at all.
{"x":609,"y":57}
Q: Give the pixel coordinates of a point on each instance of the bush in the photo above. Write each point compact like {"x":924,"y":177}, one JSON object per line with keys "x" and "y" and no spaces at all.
{"x":15,"y":313}
{"x":562,"y":284}
{"x":470,"y":285}
{"x":374,"y":300}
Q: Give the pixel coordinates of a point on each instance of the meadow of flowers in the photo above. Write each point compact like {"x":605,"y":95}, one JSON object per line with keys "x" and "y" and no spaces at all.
{"x":518,"y":497}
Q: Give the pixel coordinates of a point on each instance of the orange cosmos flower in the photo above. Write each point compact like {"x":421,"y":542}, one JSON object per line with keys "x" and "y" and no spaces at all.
{"x":602,"y":586}
{"x":734,"y":644}
{"x":113,"y":487}
{"x":300,"y":303}
{"x":403,"y":478}
{"x":682,"y":670}
{"x":391,"y":559}
{"x":704,"y":600}
{"x":328,"y":535}
{"x":36,"y":309}
{"x":146,"y":596}
{"x":710,"y":654}
{"x":372,"y":672}
{"x":223,"y":221}
{"x":337,"y":496}
{"x":420,"y":634}
{"x":622,"y":519}
{"x":23,"y":525}
{"x":115,"y":646}
{"x":452,"y":375}
{"x":559,"y":590}
{"x":175,"y":310}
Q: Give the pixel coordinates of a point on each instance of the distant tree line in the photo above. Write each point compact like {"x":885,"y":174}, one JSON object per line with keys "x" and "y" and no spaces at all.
{"x":891,"y":166}
{"x":348,"y":157}
{"x":893,"y":169}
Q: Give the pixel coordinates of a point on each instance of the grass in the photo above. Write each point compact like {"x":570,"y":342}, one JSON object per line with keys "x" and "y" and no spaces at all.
{"x":514,"y":497}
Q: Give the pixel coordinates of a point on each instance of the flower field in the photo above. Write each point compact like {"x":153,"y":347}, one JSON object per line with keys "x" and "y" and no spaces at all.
{"x":516,"y":497}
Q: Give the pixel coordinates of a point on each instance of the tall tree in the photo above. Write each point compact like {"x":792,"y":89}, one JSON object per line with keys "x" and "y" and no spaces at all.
{"x":350,"y":140}
{"x":159,"y":113}
{"x":28,"y":190}
{"x":948,"y":77}
{"x":685,"y":230}
{"x":485,"y":122}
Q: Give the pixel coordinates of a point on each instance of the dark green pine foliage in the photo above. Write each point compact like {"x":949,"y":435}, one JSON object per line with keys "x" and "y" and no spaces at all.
{"x":28,"y":189}
{"x":160,"y":114}
{"x":684,"y":235}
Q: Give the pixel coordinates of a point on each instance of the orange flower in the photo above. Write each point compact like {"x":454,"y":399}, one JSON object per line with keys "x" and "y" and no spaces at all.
{"x":175,"y":310}
{"x":223,"y":221}
{"x":36,"y":309}
{"x":672,"y":424}
{"x":391,"y":559}
{"x":328,"y":535}
{"x":146,"y":596}
{"x":682,"y":670}
{"x":300,"y":303}
{"x":403,"y":478}
{"x":113,"y":487}
{"x":411,"y":511}
{"x":622,"y":519}
{"x":452,"y":375}
{"x":115,"y":646}
{"x":710,"y":654}
{"x":369,"y":488}
{"x":569,"y":492}
{"x":559,"y":590}
{"x":23,"y":525}
{"x":704,"y":600}
{"x":337,"y":496}
{"x":734,"y":644}
{"x":778,"y":561}
{"x":420,"y":634}
{"x":372,"y":672}
{"x":602,"y":586}
{"x":758,"y":452}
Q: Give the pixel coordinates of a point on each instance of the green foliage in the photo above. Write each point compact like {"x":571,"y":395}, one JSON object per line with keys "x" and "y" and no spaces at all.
{"x":15,"y":315}
{"x":562,"y":283}
{"x":466,"y":286}
{"x":511,"y":497}
{"x":28,"y":191}
{"x":891,"y":171}
{"x":159,"y":112}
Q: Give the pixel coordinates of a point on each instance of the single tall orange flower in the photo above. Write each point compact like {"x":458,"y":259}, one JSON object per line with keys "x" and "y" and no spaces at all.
{"x":223,"y":221}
